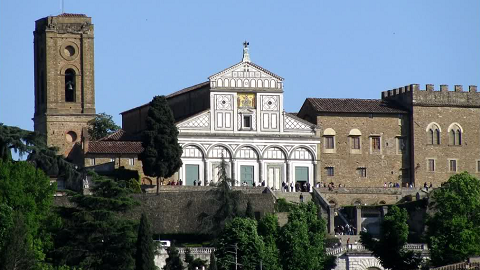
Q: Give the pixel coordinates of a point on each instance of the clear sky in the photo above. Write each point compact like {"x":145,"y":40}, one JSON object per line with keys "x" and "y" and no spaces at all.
{"x":337,"y":48}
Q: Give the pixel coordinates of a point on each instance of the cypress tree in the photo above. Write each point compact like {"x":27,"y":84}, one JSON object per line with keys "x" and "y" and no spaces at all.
{"x":173,"y":262}
{"x":249,"y":211}
{"x":145,"y":256}
{"x":213,"y":262}
{"x":161,"y":156}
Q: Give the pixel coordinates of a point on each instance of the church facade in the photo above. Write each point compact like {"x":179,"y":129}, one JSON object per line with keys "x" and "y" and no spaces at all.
{"x":242,"y":120}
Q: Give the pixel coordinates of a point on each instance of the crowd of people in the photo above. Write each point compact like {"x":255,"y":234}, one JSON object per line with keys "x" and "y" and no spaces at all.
{"x":345,"y":230}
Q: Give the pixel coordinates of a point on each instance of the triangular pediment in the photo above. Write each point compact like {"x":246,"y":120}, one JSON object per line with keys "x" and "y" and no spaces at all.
{"x":198,"y":121}
{"x":245,"y":75}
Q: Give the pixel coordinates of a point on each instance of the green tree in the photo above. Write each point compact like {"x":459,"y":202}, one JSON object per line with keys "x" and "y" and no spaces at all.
{"x":193,"y":263}
{"x":18,"y":253}
{"x":249,"y":210}
{"x":145,"y":256}
{"x":301,"y":240}
{"x":101,"y":126}
{"x":453,"y":232}
{"x":226,"y":199}
{"x":389,"y":248}
{"x":95,"y":234}
{"x":161,"y":156}
{"x":268,"y":229}
{"x":173,"y":262}
{"x":240,"y":236}
{"x":213,"y":262}
{"x":17,"y":139}
{"x":27,"y":192}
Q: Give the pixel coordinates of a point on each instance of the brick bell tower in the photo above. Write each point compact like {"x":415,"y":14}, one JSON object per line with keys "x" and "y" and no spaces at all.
{"x":64,"y":79}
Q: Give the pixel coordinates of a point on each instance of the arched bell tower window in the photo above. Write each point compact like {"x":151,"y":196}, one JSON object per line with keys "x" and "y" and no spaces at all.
{"x":69,"y":85}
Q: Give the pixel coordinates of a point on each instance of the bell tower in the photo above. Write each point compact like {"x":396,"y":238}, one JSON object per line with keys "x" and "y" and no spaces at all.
{"x":64,"y":78}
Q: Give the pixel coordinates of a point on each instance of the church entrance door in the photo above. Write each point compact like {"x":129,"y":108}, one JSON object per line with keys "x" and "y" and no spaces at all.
{"x":301,"y":177}
{"x":246,"y":174}
{"x":274,"y":176}
{"x":192,"y":174}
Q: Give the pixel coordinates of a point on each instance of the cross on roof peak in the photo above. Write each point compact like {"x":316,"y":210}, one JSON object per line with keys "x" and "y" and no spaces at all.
{"x":246,"y":55}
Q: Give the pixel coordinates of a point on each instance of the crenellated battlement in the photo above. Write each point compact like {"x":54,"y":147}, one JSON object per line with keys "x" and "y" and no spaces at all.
{"x":412,"y":95}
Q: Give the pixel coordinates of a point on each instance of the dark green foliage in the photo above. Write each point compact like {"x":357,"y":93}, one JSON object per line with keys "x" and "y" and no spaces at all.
{"x":17,"y":139}
{"x":193,"y":263}
{"x":162,"y":154}
{"x":95,"y":234}
{"x":145,"y":255}
{"x":454,"y":228}
{"x":283,"y":206}
{"x":39,"y":154}
{"x":242,"y":233}
{"x":249,"y":211}
{"x":101,"y":126}
{"x":227,"y":201}
{"x":213,"y":262}
{"x":268,"y":229}
{"x":25,"y":198}
{"x":301,"y":240}
{"x":173,"y":262}
{"x":389,"y":248}
{"x":17,"y":252}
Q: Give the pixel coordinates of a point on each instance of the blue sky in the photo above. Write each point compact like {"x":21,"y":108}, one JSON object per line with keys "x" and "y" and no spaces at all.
{"x":338,"y":48}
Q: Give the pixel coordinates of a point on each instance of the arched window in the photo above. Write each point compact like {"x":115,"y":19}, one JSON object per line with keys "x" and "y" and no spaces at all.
{"x":455,"y":134}
{"x":433,"y":134}
{"x":69,"y":85}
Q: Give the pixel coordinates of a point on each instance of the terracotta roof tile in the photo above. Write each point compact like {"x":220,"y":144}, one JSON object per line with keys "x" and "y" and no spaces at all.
{"x":350,"y":105}
{"x":114,"y":147}
{"x":120,"y":135}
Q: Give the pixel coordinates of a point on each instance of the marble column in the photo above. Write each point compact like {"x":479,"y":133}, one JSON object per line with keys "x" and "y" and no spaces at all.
{"x":205,"y":172}
{"x":233,"y":170}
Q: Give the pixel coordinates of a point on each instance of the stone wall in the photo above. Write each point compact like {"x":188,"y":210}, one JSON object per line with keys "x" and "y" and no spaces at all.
{"x":443,"y":108}
{"x":364,"y":196}
{"x":466,"y":155}
{"x":389,"y":164}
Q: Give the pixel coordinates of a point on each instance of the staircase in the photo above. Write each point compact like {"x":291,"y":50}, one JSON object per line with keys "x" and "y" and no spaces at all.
{"x":294,"y":197}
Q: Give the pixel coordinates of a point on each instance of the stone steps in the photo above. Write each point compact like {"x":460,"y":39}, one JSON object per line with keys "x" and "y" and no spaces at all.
{"x":294,"y":196}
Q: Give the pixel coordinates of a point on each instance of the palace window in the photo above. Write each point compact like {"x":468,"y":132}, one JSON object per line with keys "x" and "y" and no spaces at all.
{"x":455,"y":135}
{"x":375,"y":143}
{"x":329,"y":142}
{"x":452,"y":165}
{"x":431,"y":165}
{"x":433,"y":134}
{"x":330,"y":171}
{"x":69,"y":85}
{"x":362,"y":172}
{"x":355,"y":142}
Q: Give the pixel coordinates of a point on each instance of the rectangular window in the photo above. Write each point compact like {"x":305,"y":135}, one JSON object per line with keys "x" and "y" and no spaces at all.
{"x":92,"y":161}
{"x":355,"y":142}
{"x":247,"y":121}
{"x":131,"y":161}
{"x":375,"y":143}
{"x":112,"y":160}
{"x":220,"y":120}
{"x":431,"y":165}
{"x":453,"y":165}
{"x":478,"y":165}
{"x":329,"y":142}
{"x":362,"y":172}
{"x":330,"y":171}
